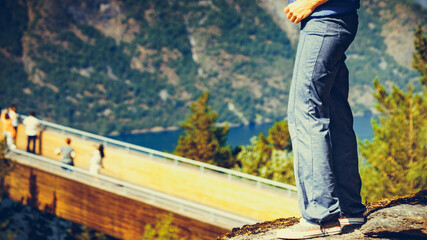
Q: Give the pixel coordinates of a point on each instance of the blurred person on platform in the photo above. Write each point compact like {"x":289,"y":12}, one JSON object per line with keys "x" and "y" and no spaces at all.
{"x":9,"y":131}
{"x":14,"y":116}
{"x":67,"y":154}
{"x":96,"y":159}
{"x":2,"y":119}
{"x":31,"y":128}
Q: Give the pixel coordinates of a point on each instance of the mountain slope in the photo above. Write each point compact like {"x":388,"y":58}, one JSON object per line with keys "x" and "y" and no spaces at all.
{"x":115,"y":66}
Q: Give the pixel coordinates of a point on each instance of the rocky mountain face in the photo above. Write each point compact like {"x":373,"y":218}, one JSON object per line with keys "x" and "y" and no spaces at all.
{"x":116,"y":66}
{"x":398,"y":218}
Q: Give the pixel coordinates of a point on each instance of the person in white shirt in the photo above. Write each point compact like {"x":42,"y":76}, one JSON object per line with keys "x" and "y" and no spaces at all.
{"x":31,"y":128}
{"x":96,"y":159}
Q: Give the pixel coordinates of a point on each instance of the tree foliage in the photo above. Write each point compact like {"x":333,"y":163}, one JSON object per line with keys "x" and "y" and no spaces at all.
{"x":164,"y":230}
{"x":269,"y":157}
{"x":278,"y":136}
{"x":420,"y":55}
{"x":13,"y":23}
{"x":396,"y":158}
{"x":203,"y":141}
{"x":80,"y":232}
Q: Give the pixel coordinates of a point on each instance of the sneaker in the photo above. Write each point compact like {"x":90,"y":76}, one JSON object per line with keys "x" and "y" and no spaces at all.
{"x":356,"y":220}
{"x":304,"y":230}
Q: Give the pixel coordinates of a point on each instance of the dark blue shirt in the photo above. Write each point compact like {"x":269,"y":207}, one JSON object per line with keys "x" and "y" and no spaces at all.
{"x":335,"y":7}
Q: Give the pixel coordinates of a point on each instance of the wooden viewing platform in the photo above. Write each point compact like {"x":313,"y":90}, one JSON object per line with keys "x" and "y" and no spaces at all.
{"x":187,"y":182}
{"x":98,"y":207}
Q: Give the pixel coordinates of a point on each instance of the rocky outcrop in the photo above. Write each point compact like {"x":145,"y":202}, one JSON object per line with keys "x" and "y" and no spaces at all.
{"x":399,"y":221}
{"x":397,"y":218}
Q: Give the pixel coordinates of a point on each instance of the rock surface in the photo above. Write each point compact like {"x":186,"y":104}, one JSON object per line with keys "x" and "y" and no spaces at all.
{"x":403,"y":220}
{"x":396,"y":218}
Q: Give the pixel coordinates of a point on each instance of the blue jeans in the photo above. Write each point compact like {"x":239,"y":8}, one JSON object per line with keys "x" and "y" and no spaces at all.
{"x":321,"y":122}
{"x":69,"y":162}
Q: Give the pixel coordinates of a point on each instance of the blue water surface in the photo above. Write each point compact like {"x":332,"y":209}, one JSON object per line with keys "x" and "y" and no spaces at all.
{"x":240,"y":135}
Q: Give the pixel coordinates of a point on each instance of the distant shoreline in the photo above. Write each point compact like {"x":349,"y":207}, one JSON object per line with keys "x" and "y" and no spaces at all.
{"x":153,"y":130}
{"x":157,"y":129}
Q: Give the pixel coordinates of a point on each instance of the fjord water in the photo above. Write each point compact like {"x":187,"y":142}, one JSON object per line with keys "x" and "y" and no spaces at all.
{"x":240,"y":135}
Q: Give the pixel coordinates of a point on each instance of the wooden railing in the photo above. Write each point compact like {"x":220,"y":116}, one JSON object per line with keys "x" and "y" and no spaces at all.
{"x":231,"y":174}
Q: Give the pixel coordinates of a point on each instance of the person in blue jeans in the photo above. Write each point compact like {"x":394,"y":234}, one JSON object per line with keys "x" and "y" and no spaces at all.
{"x":321,"y":122}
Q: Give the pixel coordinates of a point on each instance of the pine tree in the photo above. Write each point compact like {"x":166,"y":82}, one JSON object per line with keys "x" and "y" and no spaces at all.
{"x":255,"y":158}
{"x":269,"y":157}
{"x":279,"y":137}
{"x":203,"y":141}
{"x":396,"y":158}
{"x":420,"y":55}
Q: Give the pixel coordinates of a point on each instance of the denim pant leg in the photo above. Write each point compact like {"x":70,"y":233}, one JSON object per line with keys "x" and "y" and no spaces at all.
{"x":344,"y":147}
{"x":320,"y":55}
{"x":31,"y":140}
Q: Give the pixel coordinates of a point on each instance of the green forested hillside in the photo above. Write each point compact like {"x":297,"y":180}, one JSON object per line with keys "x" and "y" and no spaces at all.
{"x":116,"y":66}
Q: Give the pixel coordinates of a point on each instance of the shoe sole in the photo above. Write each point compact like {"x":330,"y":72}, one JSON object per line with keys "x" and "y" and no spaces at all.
{"x":351,"y":221}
